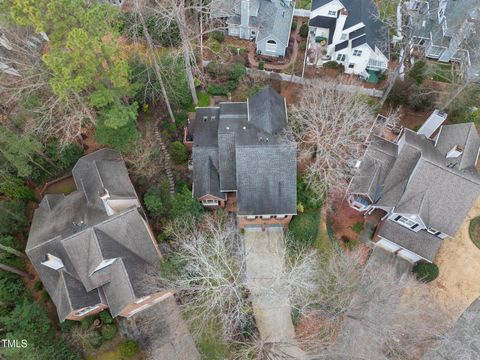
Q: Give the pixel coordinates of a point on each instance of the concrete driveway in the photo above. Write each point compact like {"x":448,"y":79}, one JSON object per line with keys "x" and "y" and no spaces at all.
{"x":271,"y":307}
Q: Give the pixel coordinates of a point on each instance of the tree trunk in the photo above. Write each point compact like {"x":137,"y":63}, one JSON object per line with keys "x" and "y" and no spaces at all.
{"x":188,"y":68}
{"x":155,"y":61}
{"x":15,"y":271}
{"x":12,"y":251}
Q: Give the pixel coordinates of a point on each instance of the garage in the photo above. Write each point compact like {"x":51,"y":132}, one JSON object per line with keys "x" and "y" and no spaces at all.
{"x":409,"y":256}
{"x":388,"y":245}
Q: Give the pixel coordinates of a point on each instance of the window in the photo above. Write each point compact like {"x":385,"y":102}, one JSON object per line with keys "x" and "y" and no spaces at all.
{"x":341,"y":57}
{"x":332,"y":13}
{"x":209,"y":202}
{"x":266,"y":217}
{"x":406,"y":222}
{"x":86,"y":310}
{"x":251,"y":217}
{"x":271,"y":46}
{"x":357,"y":52}
{"x":434,"y":231}
{"x":351,"y":65}
{"x":280,"y":217}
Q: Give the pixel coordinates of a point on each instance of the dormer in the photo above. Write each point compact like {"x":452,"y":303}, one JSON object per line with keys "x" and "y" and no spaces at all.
{"x":455,"y":152}
{"x":52,"y":262}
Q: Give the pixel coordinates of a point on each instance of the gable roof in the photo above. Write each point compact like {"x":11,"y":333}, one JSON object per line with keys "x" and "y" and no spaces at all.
{"x":76,"y":229}
{"x":274,"y":20}
{"x":423,"y":181}
{"x":249,"y":141}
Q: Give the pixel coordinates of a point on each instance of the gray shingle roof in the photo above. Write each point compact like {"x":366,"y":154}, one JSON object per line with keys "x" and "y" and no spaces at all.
{"x":422,"y":181}
{"x":80,"y":233}
{"x":247,"y":132}
{"x":421,"y":242}
{"x":274,"y":20}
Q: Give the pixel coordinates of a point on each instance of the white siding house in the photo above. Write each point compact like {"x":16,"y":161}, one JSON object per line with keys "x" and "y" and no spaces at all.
{"x":349,"y":33}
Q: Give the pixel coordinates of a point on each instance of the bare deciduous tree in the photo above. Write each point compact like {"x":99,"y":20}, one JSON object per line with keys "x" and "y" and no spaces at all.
{"x":330,"y":124}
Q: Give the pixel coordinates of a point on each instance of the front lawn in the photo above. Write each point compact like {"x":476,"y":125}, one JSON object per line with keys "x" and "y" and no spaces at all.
{"x":304,"y":227}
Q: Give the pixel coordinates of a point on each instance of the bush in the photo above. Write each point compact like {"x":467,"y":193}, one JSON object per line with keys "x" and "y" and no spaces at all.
{"x":331,"y":65}
{"x":13,"y":217}
{"x":304,"y":227}
{"x":122,"y":139}
{"x":87,"y":322}
{"x":237,"y":71}
{"x":105,"y":317}
{"x":425,"y":272}
{"x":68,"y":325}
{"x":128,"y":348}
{"x":38,"y":286}
{"x":261,"y":65}
{"x":296,"y":316}
{"x":185,"y":204}
{"x":357,"y":227}
{"x":222,"y":89}
{"x":400,"y":93}
{"x":418,"y":72}
{"x":95,"y":339}
{"x":45,"y":296}
{"x":157,"y":199}
{"x":294,"y":25}
{"x":215,"y":69}
{"x":65,"y":157}
{"x":473,"y":229}
{"x":306,"y":197}
{"x":304,"y":30}
{"x":15,"y":188}
{"x":218,"y":35}
{"x":181,"y":118}
{"x":108,"y":331}
{"x":178,"y":152}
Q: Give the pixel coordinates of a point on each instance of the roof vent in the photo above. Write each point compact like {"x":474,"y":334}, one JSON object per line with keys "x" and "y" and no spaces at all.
{"x":52,"y":262}
{"x":244,"y":128}
{"x":228,"y":128}
{"x":205,"y":118}
{"x":455,"y":152}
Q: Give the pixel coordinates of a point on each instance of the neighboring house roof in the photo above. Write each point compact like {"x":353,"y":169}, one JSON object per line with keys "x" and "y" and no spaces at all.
{"x":423,"y":180}
{"x":374,"y":33}
{"x":249,"y":153}
{"x":76,"y":229}
{"x":275,"y":20}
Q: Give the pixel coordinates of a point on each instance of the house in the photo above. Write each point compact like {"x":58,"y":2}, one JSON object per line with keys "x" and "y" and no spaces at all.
{"x":241,"y":156}
{"x":447,"y":31}
{"x":92,"y":246}
{"x":350,"y":33}
{"x":423,"y":184}
{"x":267,"y":22}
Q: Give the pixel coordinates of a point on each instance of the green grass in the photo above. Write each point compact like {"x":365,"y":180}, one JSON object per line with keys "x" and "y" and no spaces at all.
{"x":357,"y":227}
{"x":473,"y":231}
{"x":203,"y":99}
{"x":303,"y":4}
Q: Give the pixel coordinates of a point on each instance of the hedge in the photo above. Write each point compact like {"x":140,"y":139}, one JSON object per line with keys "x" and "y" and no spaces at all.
{"x":128,"y":348}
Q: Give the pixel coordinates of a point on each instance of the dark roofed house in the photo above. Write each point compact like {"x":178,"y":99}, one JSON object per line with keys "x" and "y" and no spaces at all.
{"x":242,"y":155}
{"x":92,"y":246}
{"x":423,"y":186}
{"x":350,"y":33}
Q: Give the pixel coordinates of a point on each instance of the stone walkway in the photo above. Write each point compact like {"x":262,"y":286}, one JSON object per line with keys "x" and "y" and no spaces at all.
{"x":271,"y":307}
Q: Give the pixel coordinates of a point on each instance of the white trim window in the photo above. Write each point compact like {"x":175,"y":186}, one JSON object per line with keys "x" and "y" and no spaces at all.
{"x":341,"y":57}
{"x":402,"y":220}
{"x":210,"y":202}
{"x":86,"y":310}
{"x":266,"y":217}
{"x":332,"y":13}
{"x":271,"y":46}
{"x":357,"y":52}
{"x":251,"y":217}
{"x":434,"y":232}
{"x":281,"y":217}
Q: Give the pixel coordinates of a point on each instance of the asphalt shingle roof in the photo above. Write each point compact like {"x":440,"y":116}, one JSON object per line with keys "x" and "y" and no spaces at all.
{"x":248,"y":143}
{"x":76,"y":229}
